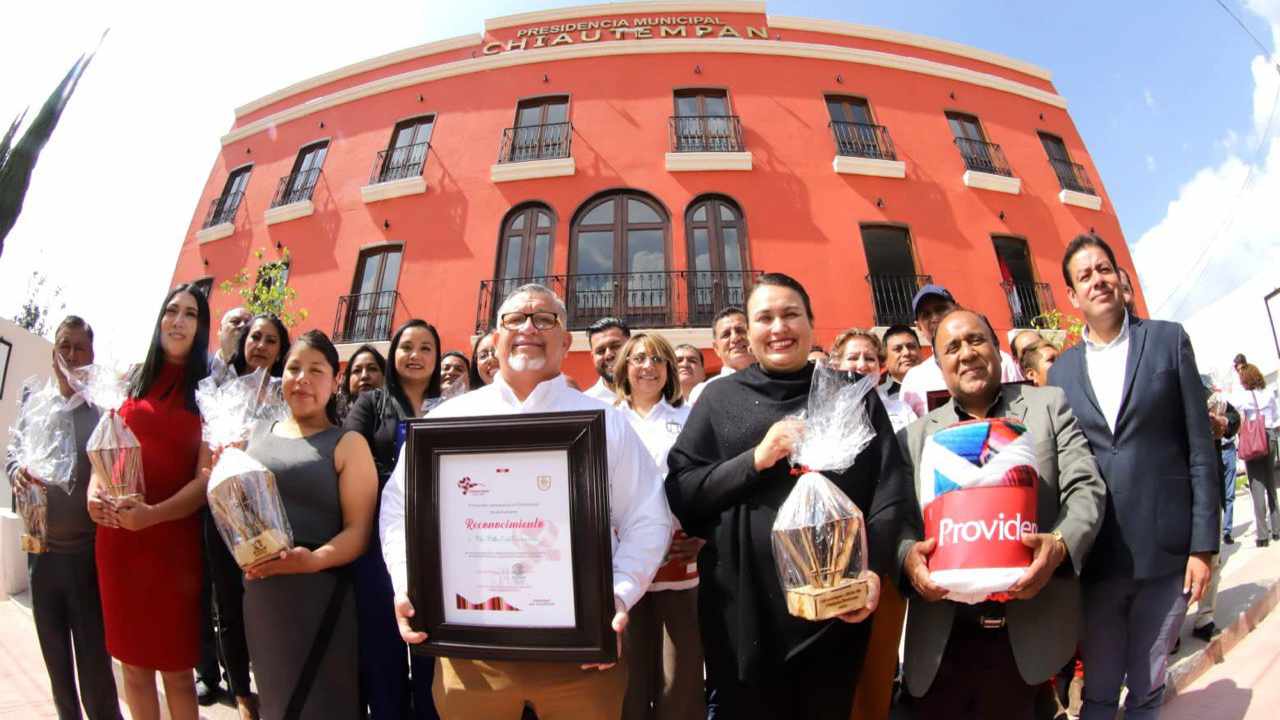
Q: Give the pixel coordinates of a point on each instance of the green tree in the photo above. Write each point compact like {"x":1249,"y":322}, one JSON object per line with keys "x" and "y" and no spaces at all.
{"x":18,"y":159}
{"x":40,"y":305}
{"x":268,"y":291}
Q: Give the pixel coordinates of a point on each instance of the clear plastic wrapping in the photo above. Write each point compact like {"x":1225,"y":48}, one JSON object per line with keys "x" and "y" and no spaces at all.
{"x":113,"y":449}
{"x":242,"y":494}
{"x":819,"y":535}
{"x":247,"y":508}
{"x":42,"y":442}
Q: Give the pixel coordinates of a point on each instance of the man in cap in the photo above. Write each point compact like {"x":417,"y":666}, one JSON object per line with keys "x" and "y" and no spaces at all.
{"x":930,"y":304}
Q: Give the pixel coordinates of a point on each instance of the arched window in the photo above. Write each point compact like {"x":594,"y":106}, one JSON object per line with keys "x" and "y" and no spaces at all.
{"x":619,"y":263}
{"x":524,"y":250}
{"x":717,"y":237}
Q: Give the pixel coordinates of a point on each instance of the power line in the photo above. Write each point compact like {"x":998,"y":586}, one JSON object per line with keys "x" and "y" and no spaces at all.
{"x":1195,"y":267}
{"x":1244,"y":27}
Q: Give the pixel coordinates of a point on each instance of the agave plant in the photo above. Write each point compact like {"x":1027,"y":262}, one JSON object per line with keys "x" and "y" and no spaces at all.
{"x":18,"y":159}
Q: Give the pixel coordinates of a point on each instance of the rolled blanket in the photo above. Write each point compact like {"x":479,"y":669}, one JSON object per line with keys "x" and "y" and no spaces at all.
{"x":978,"y":483}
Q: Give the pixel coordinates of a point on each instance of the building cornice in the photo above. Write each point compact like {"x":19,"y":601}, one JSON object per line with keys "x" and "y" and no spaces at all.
{"x":625,"y":8}
{"x":648,"y":47}
{"x":462,"y":42}
{"x":866,"y":32}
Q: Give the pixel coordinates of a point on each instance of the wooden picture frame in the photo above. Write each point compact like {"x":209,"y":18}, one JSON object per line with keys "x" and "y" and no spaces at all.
{"x":435,"y":547}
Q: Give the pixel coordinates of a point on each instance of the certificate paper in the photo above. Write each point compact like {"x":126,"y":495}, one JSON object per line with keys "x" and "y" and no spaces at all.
{"x":505,"y":548}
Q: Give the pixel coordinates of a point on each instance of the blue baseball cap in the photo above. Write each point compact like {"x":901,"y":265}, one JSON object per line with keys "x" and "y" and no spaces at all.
{"x":925,"y":292}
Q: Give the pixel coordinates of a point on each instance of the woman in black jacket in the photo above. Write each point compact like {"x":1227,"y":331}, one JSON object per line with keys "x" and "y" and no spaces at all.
{"x":412,"y":388}
{"x":728,"y":476}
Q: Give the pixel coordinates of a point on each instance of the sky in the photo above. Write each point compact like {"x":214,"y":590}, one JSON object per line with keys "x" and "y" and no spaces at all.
{"x":1172,"y":100}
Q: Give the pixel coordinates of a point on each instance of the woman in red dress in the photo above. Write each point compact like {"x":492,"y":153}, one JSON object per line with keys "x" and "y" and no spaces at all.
{"x":149,"y":550}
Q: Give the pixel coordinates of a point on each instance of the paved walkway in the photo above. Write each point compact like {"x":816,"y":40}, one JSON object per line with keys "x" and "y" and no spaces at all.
{"x":1244,"y":687}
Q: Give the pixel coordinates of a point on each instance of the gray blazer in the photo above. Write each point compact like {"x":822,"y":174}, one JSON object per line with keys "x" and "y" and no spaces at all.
{"x":1070,"y":499}
{"x":1159,"y":465}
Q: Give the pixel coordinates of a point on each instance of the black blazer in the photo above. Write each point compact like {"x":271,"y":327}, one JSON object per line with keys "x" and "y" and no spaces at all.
{"x":1162,"y":482}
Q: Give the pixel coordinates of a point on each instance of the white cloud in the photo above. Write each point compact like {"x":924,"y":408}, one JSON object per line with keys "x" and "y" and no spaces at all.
{"x":1148,"y":98}
{"x":1214,"y":256}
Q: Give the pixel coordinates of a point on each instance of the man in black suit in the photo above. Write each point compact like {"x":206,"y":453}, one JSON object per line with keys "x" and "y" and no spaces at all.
{"x":1135,"y":390}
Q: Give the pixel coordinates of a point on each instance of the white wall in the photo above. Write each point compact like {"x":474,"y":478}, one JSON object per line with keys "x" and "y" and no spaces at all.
{"x":31,"y":355}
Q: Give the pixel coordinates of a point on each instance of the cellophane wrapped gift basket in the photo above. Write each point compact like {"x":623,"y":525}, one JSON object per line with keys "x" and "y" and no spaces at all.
{"x":819,"y":535}
{"x":113,"y":449}
{"x":42,"y":441}
{"x":243,"y":497}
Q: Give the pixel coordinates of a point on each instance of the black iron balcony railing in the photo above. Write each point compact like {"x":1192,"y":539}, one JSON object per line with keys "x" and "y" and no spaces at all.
{"x":399,"y":163}
{"x":676,"y":298}
{"x":706,"y":133}
{"x":891,"y":297}
{"x":296,"y":187}
{"x":1027,"y":300}
{"x":1072,"y":176}
{"x":366,"y":317}
{"x":983,"y":157}
{"x":223,"y":209}
{"x":536,"y":142}
{"x":862,"y":140}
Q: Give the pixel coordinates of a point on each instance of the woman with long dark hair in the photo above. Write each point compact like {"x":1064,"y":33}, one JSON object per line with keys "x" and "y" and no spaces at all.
{"x":148,"y":549}
{"x":263,"y":345}
{"x":484,"y":360}
{"x":729,"y":474}
{"x":412,"y":388}
{"x":303,"y":598}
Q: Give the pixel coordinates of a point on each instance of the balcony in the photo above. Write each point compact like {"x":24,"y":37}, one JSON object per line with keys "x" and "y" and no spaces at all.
{"x":534,"y":151}
{"x":221,"y":219}
{"x":366,"y":317}
{"x":1027,"y":300}
{"x":863,"y":149}
{"x":1076,"y":188}
{"x":671,"y":299}
{"x":292,"y":198}
{"x":891,"y":297}
{"x":986,"y":167}
{"x":706,"y":142}
{"x":397,"y":172}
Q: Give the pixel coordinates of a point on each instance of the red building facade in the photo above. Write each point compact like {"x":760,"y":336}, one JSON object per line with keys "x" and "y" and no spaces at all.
{"x":647,"y":160}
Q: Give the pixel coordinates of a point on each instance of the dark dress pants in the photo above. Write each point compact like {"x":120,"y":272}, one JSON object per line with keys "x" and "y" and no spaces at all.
{"x":68,"y":616}
{"x":977,"y":678}
{"x":228,"y":609}
{"x":815,"y":684}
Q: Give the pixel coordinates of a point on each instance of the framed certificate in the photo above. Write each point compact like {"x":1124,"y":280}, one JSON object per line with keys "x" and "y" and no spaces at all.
{"x":508,"y":537}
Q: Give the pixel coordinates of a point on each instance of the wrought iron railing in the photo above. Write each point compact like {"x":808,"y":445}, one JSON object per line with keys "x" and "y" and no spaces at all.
{"x":984,"y":157}
{"x":366,"y":317}
{"x":891,"y":297}
{"x":1027,"y":300}
{"x":223,"y":209}
{"x":862,"y":140}
{"x":296,"y":187}
{"x":676,"y":298}
{"x":1072,"y":176}
{"x":399,"y":163}
{"x":706,"y":133}
{"x":536,"y":142}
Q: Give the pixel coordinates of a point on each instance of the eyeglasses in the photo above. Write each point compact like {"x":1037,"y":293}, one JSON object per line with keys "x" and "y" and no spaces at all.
{"x":541,"y":320}
{"x":640,"y":360}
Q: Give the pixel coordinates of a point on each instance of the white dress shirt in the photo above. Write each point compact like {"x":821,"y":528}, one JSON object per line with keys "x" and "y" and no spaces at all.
{"x":1105,"y":363}
{"x":696,"y":392}
{"x":1252,"y":402}
{"x":601,"y":392}
{"x":638,"y":512}
{"x":659,"y":431}
{"x":900,"y":413}
{"x":927,"y":377}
